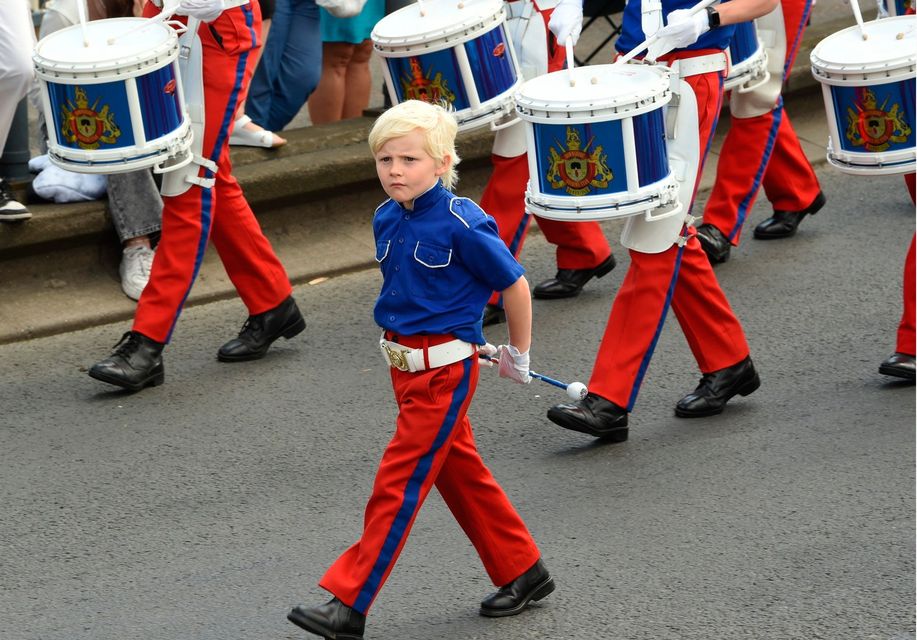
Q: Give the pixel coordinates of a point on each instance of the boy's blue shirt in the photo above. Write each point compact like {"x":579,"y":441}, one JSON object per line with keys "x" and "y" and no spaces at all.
{"x":440,"y":263}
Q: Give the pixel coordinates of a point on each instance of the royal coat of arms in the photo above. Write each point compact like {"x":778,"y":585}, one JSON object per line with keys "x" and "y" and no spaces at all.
{"x":419,"y":86}
{"x":85,"y":126}
{"x":873,"y":127}
{"x":577,"y":170}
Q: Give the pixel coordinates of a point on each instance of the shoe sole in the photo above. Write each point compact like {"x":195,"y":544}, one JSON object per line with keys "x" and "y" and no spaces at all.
{"x":813,"y":208}
{"x":614,"y":435}
{"x":896,"y":373}
{"x":599,"y":272}
{"x":539,"y":592}
{"x":748,"y":388}
{"x":290,"y":331}
{"x":312,"y":627}
{"x":153,"y":381}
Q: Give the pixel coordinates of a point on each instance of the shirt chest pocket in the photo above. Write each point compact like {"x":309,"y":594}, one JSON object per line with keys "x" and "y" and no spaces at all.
{"x":431,"y":270}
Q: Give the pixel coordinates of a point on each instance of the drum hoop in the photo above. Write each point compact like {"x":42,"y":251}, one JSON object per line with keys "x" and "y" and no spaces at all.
{"x":106,"y":70}
{"x":858,"y":74}
{"x":433,"y":41}
{"x":558,"y":113}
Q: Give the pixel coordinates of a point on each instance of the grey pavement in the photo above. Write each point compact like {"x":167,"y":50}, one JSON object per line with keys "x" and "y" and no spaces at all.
{"x":203,"y":509}
{"x":59,"y":271}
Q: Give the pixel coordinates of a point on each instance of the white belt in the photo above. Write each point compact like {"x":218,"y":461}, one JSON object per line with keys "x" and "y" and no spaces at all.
{"x":700,"y":64}
{"x":408,"y":359}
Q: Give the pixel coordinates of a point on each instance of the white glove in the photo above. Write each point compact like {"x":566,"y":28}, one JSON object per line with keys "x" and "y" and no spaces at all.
{"x":488,"y":351}
{"x":203,"y":10}
{"x":682,"y":30}
{"x":514,"y":364}
{"x":567,"y":20}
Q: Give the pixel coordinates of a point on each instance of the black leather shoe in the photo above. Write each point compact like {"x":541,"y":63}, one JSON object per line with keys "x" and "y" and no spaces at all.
{"x":569,"y":282}
{"x":899,"y":365}
{"x":260,"y":331}
{"x":334,"y":620}
{"x":715,"y":390}
{"x":714,"y":243}
{"x":493,"y":315}
{"x":593,"y":415}
{"x":135,"y":364}
{"x":783,"y":223}
{"x":534,"y":584}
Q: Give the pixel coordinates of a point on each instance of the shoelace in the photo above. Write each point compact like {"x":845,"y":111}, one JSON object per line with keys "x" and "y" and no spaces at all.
{"x":252,"y":324}
{"x":127,"y":345}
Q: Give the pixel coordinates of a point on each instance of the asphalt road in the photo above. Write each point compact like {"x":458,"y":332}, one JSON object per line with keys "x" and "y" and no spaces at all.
{"x":203,"y":509}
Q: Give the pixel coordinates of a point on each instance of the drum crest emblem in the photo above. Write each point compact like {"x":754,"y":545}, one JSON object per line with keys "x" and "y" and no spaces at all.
{"x":873,"y":127}
{"x":85,"y":125}
{"x":419,"y":86}
{"x":577,"y":170}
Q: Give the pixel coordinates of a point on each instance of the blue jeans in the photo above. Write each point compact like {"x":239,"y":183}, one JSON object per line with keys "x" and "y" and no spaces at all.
{"x":290,"y":65}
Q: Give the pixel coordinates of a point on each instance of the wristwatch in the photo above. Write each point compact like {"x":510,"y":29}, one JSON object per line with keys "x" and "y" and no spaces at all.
{"x":713,"y":18}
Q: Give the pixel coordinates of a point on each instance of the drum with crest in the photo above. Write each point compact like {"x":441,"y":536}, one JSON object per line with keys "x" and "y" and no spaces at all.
{"x":451,"y":51}
{"x":868,"y":86}
{"x":597,"y":144}
{"x":747,"y":59}
{"x":113,"y":104}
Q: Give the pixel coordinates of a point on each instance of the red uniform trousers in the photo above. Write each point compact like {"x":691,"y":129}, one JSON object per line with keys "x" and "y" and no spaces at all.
{"x":220,"y":214}
{"x":906,"y":332}
{"x":580,"y":245}
{"x":764,"y":150}
{"x":432,"y":445}
{"x":680,"y":276}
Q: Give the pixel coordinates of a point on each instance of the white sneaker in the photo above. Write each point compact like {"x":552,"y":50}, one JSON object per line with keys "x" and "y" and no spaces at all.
{"x":136,"y":263}
{"x":11,"y":210}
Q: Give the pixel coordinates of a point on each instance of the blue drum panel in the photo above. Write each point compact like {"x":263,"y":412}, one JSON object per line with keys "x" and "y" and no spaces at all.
{"x":92,"y":116}
{"x":580,"y":159}
{"x":876,"y":118}
{"x":744,"y":42}
{"x":160,"y":106}
{"x":431,"y":77}
{"x":902,"y":7}
{"x":652,"y":154}
{"x":491,"y":64}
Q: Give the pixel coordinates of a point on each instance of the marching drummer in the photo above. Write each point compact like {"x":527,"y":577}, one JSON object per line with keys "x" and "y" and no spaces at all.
{"x":668,"y":266}
{"x":203,"y":201}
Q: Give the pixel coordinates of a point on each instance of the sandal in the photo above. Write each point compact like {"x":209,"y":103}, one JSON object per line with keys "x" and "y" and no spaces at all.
{"x":242,"y":136}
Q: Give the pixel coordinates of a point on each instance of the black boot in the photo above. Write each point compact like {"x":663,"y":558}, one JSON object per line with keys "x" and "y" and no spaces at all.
{"x":334,"y":620}
{"x":783,"y":223}
{"x":900,"y":365}
{"x":534,"y":584}
{"x":714,"y":243}
{"x":569,"y":282}
{"x":260,"y":331}
{"x":136,"y":363}
{"x":593,"y":415}
{"x":715,"y":390}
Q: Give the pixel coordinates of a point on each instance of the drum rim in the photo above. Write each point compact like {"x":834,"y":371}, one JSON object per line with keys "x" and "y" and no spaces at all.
{"x":143,"y":61}
{"x":823,"y":68}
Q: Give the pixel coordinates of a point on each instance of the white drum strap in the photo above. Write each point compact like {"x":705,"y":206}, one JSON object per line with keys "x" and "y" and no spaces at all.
{"x":651,"y":17}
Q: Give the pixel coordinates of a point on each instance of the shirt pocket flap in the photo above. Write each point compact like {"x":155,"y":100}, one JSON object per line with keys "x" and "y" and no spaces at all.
{"x":432,"y":256}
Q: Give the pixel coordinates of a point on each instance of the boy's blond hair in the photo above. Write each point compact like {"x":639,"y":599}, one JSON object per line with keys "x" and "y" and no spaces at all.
{"x":437,"y":124}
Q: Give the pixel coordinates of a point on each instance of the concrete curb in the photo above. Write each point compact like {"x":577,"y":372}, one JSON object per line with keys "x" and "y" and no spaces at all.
{"x":311,"y":197}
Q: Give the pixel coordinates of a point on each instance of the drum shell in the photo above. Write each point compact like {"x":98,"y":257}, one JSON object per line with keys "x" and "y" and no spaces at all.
{"x":747,"y":57}
{"x":600,"y":157}
{"x":869,"y":102}
{"x":113,"y":115}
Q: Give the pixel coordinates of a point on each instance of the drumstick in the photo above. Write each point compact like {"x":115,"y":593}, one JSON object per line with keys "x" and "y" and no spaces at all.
{"x":700,"y":6}
{"x":165,"y":14}
{"x":568,"y":43}
{"x":855,"y":6}
{"x":575,"y":390}
{"x":81,"y":10}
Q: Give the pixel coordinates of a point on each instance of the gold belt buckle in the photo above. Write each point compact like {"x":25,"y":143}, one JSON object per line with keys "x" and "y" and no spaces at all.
{"x":396,"y":358}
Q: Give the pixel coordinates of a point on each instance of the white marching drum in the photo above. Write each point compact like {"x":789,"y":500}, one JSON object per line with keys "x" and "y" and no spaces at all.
{"x":747,"y":59}
{"x":597,"y":149}
{"x":451,"y":51}
{"x":115,"y":105}
{"x":868,"y":86}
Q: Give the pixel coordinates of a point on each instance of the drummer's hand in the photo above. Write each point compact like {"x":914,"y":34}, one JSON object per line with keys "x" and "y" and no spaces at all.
{"x":681,"y":30}
{"x":567,"y":20}
{"x":514,"y":364}
{"x":203,"y":10}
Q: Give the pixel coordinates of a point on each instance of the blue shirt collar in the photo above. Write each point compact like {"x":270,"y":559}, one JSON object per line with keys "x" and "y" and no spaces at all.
{"x":428,"y":198}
